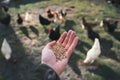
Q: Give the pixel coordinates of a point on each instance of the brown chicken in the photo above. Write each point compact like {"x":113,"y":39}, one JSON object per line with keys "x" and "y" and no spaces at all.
{"x":59,"y":19}
{"x":20,"y":19}
{"x":50,"y":14}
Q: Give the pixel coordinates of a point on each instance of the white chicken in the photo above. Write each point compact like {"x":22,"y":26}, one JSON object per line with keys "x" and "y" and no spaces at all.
{"x":6,"y":50}
{"x":93,"y":53}
{"x":28,"y":17}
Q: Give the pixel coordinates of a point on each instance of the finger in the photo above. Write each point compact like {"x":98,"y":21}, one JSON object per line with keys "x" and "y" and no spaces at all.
{"x":72,"y":47}
{"x":70,"y":40}
{"x":51,"y":44}
{"x":61,"y":39}
{"x":67,"y":38}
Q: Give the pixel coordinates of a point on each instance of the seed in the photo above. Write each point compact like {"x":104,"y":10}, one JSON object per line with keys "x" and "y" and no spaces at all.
{"x":59,"y":51}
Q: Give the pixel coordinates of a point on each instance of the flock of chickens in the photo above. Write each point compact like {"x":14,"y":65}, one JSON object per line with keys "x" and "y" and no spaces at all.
{"x":58,"y":18}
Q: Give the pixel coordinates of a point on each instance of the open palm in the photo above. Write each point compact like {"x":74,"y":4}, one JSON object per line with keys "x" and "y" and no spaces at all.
{"x":69,"y":41}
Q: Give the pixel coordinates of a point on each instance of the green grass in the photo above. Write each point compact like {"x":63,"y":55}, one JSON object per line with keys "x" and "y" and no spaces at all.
{"x":107,"y":66}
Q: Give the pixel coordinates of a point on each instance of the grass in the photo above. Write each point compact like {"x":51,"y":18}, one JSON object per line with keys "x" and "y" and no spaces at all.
{"x":28,"y":52}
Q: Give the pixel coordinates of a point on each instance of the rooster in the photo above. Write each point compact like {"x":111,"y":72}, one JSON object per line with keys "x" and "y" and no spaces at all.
{"x":50,"y":14}
{"x":44,"y":21}
{"x":109,"y":25}
{"x":20,"y":19}
{"x":54,"y":34}
{"x":93,"y":53}
{"x":85,"y":23}
{"x":6,"y":50}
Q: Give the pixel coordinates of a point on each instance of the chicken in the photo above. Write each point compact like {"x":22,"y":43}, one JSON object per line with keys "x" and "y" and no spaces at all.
{"x":20,"y":19}
{"x":5,"y":18}
{"x":90,"y":33}
{"x":114,"y":2}
{"x":63,"y":13}
{"x":59,"y":19}
{"x":93,"y":53}
{"x":109,"y":25}
{"x":28,"y":17}
{"x":6,"y":50}
{"x":85,"y":23}
{"x":44,"y":21}
{"x":50,"y":14}
{"x":54,"y":34}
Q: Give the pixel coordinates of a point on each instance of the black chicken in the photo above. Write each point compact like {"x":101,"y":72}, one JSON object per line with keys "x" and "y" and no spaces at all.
{"x":85,"y":23}
{"x":20,"y":19}
{"x":91,"y":34}
{"x":109,"y":25}
{"x":63,"y":13}
{"x":5,"y":18}
{"x":114,"y":2}
{"x":54,"y":34}
{"x":44,"y":21}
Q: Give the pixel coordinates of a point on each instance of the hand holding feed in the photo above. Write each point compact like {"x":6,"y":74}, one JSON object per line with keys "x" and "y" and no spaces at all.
{"x":58,"y":59}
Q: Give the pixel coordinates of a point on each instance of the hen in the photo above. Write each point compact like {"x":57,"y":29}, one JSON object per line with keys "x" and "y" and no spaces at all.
{"x":28,"y":17}
{"x":109,"y":25}
{"x":54,"y":34}
{"x":90,"y":33}
{"x":93,"y":53}
{"x":59,"y":19}
{"x":63,"y":13}
{"x":20,"y":19}
{"x":85,"y":23}
{"x":50,"y":14}
{"x":44,"y":21}
{"x":6,"y":50}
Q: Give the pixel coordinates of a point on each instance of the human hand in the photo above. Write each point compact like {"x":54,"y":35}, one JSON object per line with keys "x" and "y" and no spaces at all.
{"x":69,"y":41}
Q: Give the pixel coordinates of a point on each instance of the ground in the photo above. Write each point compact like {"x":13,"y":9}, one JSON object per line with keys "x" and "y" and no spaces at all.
{"x":27,"y":45}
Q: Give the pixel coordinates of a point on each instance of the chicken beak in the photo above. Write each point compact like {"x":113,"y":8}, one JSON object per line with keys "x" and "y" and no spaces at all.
{"x":84,"y":63}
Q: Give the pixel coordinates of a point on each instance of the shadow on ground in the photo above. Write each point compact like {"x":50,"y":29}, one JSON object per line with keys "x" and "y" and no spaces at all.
{"x":20,"y":66}
{"x":116,"y":35}
{"x":106,"y":72}
{"x":69,"y":24}
{"x":82,"y":45}
{"x":106,"y":50}
{"x":73,"y":63}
